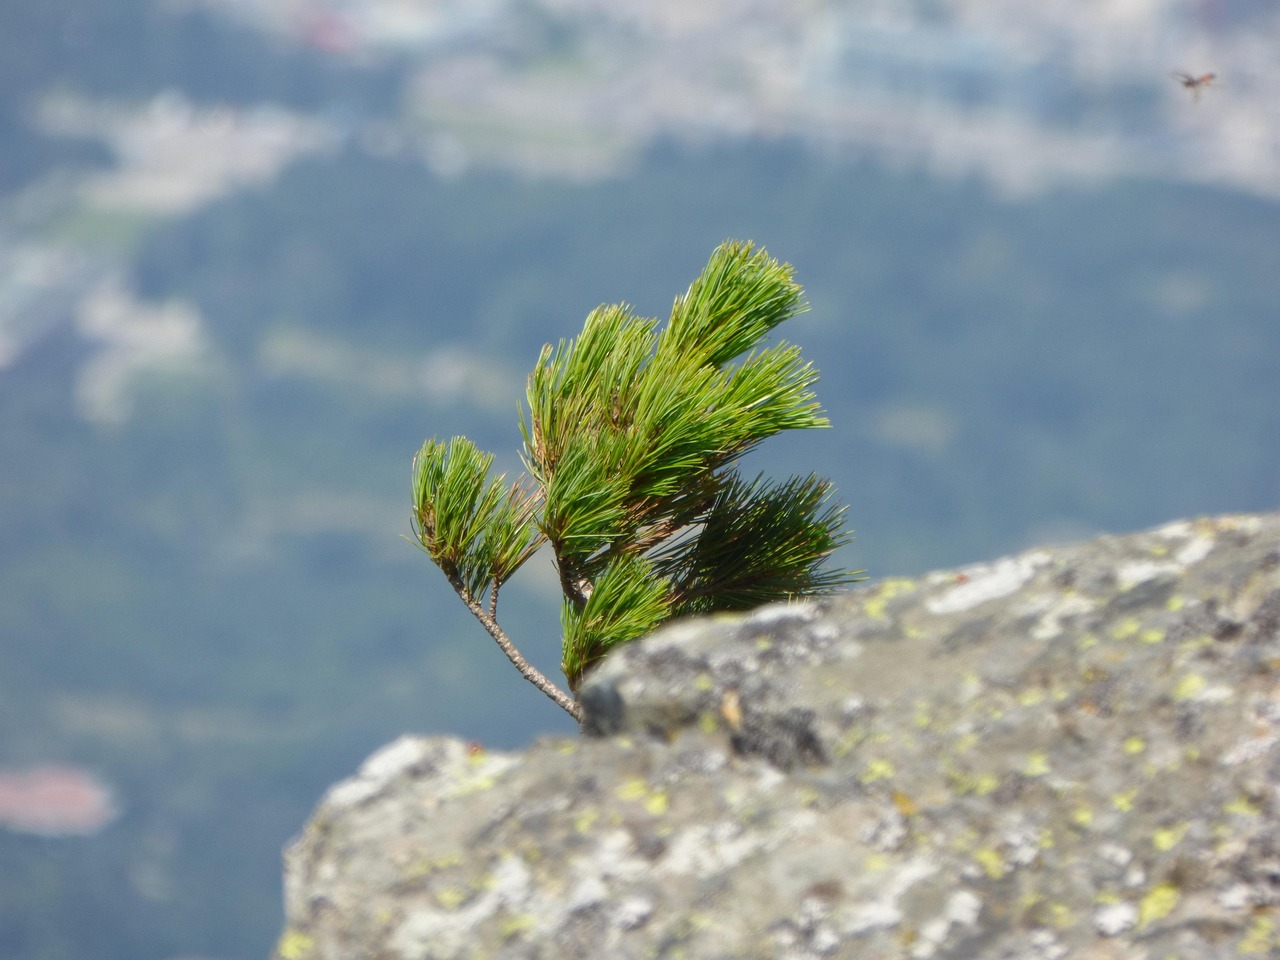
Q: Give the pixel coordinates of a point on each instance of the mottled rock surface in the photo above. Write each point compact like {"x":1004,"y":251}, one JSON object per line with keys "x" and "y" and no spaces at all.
{"x":1070,"y":752}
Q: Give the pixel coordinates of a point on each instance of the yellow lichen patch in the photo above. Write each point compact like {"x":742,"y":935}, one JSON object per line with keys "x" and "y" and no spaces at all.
{"x":1175,"y":603}
{"x":1260,"y":938}
{"x":1166,"y":838}
{"x":515,"y":924}
{"x":1087,"y":641}
{"x":991,"y":862}
{"x":1082,"y":816}
{"x":848,"y":742}
{"x":657,"y":803}
{"x":875,"y":862}
{"x":1029,"y":698}
{"x":985,"y":784}
{"x":585,"y":819}
{"x":1037,"y":764}
{"x":294,"y":945}
{"x":878,"y":769}
{"x":1242,"y":806}
{"x":703,"y":682}
{"x":633,"y":789}
{"x":1158,"y":904}
{"x":530,"y":852}
{"x":451,"y":898}
{"x":923,"y":717}
{"x":1123,"y":801}
{"x":1189,"y":686}
{"x":1060,"y":916}
{"x":1133,"y":745}
{"x":426,"y":866}
{"x":877,"y":607}
{"x":474,"y":785}
{"x":1126,"y":628}
{"x":1151,"y":636}
{"x":965,"y":840}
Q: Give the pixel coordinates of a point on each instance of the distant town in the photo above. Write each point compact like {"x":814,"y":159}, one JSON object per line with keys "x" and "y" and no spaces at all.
{"x":1020,"y":97}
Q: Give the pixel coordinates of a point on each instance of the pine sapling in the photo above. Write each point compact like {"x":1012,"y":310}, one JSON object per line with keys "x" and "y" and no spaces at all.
{"x":631,"y":442}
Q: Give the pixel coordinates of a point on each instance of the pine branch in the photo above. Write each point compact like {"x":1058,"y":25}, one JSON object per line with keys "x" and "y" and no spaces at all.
{"x":758,"y":543}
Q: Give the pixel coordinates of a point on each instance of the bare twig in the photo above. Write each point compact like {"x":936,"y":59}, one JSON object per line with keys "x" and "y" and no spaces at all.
{"x":527,"y":670}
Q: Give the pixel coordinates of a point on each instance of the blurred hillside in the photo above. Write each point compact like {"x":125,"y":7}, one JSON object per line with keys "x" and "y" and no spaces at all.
{"x":251,"y":254}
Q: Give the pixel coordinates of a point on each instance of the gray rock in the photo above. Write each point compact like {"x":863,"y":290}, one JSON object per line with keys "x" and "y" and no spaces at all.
{"x":1069,"y":752}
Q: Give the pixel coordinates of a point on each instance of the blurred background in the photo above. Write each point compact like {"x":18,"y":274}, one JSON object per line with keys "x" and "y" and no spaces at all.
{"x":253,"y":252}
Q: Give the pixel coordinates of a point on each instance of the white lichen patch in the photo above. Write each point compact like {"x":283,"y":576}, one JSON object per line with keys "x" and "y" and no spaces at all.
{"x":962,"y":910}
{"x":799,"y":611}
{"x":988,"y":582}
{"x":1249,"y":749}
{"x":631,"y":912}
{"x":706,"y":849}
{"x":379,"y":770}
{"x":882,"y":906}
{"x":1130,"y":575}
{"x":1115,"y":918}
{"x":613,"y":856}
{"x":1195,"y":551}
{"x":1052,"y":619}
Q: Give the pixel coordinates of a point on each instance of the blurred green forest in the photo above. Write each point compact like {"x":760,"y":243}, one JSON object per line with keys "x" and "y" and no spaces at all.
{"x":210,"y":602}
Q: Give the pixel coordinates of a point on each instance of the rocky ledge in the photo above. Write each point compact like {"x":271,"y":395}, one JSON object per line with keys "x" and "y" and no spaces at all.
{"x":1070,"y":752}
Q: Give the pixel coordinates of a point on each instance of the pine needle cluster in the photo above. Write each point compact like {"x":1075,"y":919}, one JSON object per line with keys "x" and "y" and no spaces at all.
{"x":631,"y":443}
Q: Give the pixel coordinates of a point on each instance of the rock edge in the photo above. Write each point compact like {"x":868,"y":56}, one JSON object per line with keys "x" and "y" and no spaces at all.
{"x":1068,"y":752}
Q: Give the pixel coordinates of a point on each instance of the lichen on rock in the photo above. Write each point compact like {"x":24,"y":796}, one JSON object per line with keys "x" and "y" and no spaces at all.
{"x":1071,"y":752}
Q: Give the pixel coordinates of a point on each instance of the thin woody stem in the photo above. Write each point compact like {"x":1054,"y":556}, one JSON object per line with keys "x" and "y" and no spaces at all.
{"x":527,"y":670}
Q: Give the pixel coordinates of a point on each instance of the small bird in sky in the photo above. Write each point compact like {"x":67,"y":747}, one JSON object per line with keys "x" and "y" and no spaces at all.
{"x":1195,"y":83}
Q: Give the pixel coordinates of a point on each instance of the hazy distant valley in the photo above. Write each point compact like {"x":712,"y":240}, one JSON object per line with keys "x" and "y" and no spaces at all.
{"x":248,"y":264}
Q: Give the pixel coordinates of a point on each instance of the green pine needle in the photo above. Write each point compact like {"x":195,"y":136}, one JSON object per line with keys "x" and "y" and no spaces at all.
{"x":627,"y":602}
{"x":477,"y":530}
{"x":757,"y":544}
